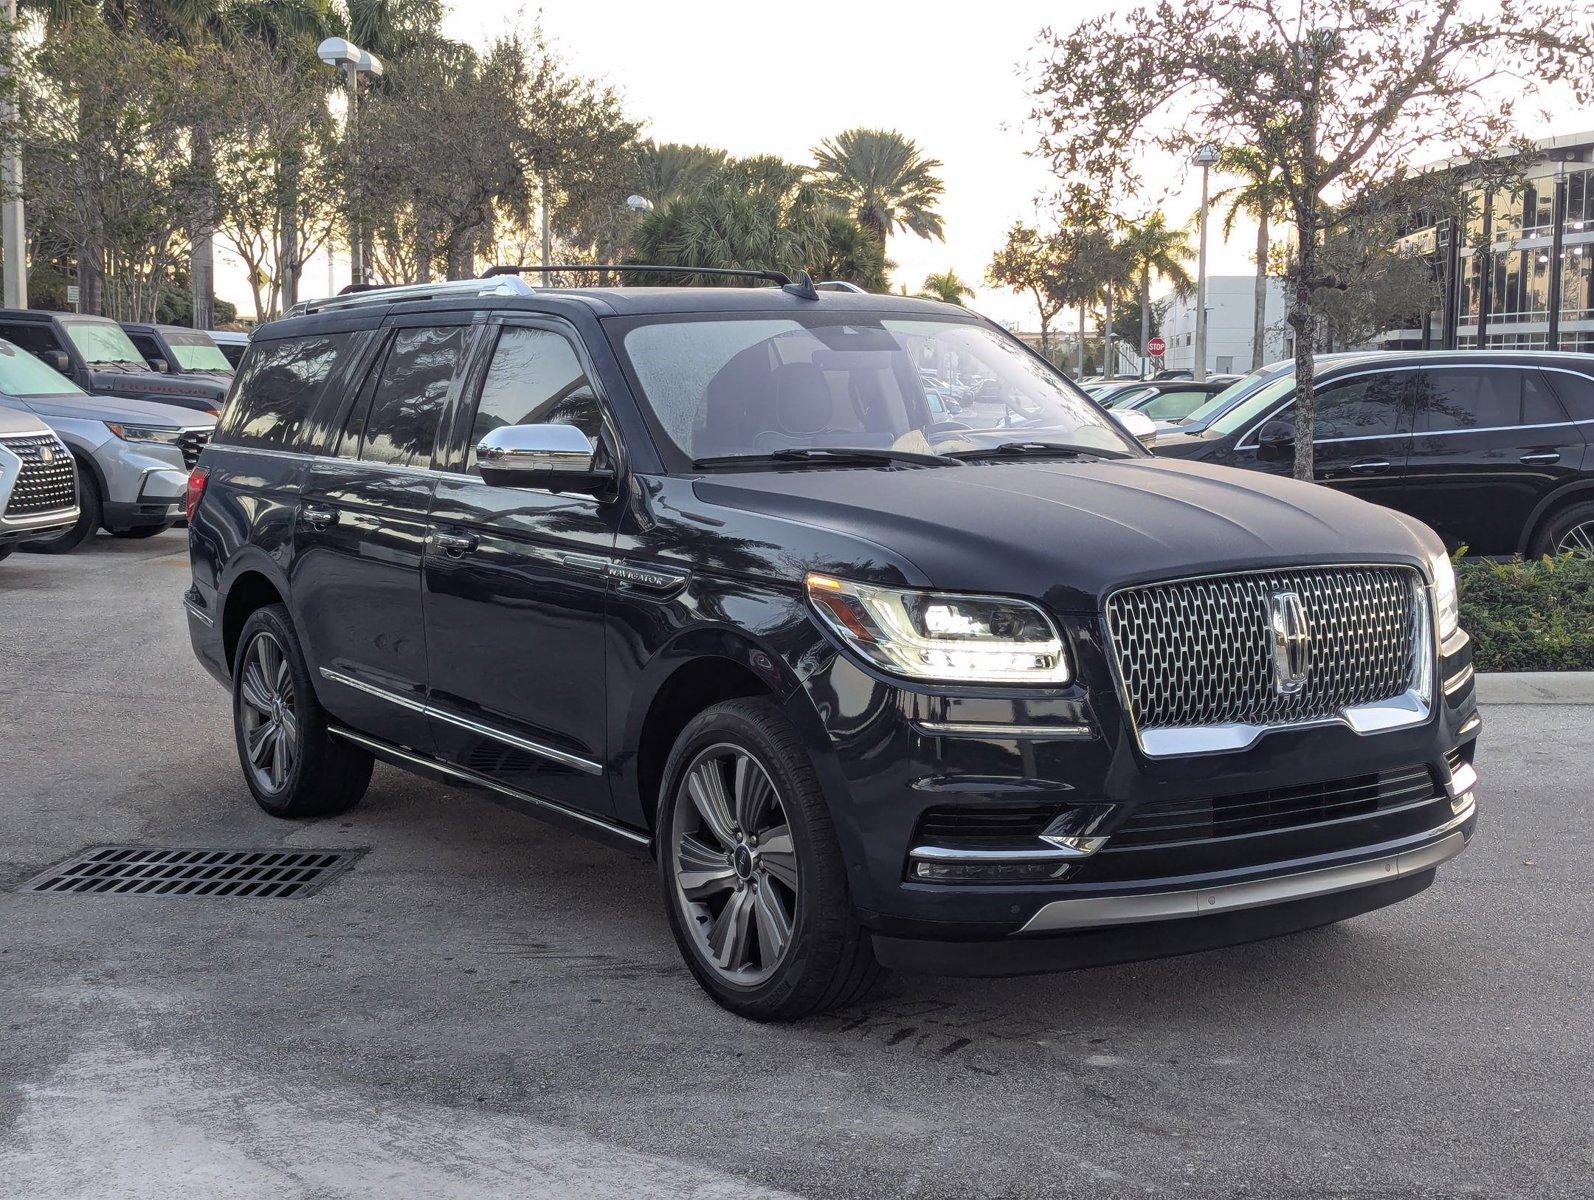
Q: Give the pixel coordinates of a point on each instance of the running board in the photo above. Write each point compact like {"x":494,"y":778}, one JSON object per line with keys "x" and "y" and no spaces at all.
{"x":621,"y":836}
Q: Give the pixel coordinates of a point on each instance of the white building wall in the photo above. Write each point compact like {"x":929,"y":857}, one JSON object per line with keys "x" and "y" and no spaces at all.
{"x":1231,"y":303}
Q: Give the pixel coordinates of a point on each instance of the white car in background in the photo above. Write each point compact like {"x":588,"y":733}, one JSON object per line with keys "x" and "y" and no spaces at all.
{"x":38,"y":481}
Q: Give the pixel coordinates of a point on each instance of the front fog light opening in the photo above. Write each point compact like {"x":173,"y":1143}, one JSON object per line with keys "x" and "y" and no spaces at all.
{"x":995,"y":872}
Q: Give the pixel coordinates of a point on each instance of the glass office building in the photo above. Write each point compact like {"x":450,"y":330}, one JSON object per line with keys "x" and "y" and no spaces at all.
{"x":1516,"y":271}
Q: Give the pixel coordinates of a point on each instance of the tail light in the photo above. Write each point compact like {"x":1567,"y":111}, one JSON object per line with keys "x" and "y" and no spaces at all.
{"x":197,"y":479}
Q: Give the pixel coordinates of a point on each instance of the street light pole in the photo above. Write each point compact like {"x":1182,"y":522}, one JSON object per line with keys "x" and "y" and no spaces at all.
{"x":1205,"y":155}
{"x":13,"y":223}
{"x":353,"y":62}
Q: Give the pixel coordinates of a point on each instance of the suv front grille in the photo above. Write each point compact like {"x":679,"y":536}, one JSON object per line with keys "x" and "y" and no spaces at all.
{"x":1275,"y":809}
{"x":191,"y":444}
{"x":1199,"y":652}
{"x":41,"y":486}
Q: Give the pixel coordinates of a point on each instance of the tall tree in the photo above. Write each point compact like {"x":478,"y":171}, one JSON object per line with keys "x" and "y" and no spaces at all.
{"x":883,"y":180}
{"x":1155,"y":250}
{"x":1340,"y":95}
{"x":1260,"y":195}
{"x":669,"y":170}
{"x":948,"y":287}
{"x":1041,"y":264}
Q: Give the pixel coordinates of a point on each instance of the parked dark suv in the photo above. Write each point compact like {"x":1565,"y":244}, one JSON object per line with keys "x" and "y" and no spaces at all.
{"x":698,"y":571}
{"x":1490,"y":448}
{"x":174,"y":350}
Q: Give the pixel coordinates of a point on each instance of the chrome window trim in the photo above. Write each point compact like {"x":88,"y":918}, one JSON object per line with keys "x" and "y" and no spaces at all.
{"x":428,"y":709}
{"x":1241,"y":444}
{"x":1065,"y":850}
{"x":1433,"y":848}
{"x":483,"y":781}
{"x":1410,"y":708}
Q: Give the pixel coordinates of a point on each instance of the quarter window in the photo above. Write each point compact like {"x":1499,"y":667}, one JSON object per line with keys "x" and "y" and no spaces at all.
{"x":279,"y":384}
{"x":1576,"y":391}
{"x":535,"y":379}
{"x":401,"y":427}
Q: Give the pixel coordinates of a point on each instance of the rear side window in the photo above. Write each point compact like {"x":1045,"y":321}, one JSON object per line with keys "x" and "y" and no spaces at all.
{"x":1576,"y":392}
{"x":535,"y":379}
{"x":401,"y":426}
{"x":1486,"y":399}
{"x":279,"y":386}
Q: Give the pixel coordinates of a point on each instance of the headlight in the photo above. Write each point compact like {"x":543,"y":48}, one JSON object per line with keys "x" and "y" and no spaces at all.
{"x":164,"y":434}
{"x":930,"y":635}
{"x":1445,"y":604}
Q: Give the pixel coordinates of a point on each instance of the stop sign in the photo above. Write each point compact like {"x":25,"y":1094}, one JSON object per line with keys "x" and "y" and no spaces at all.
{"x":1156,"y":347}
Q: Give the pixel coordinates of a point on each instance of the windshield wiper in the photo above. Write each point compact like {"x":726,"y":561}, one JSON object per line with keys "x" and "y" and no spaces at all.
{"x":1035,"y":450}
{"x":827,"y":456}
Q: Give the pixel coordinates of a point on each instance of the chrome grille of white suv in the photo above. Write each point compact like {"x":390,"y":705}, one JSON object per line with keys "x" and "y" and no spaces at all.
{"x":46,"y":482}
{"x":1200,"y":652}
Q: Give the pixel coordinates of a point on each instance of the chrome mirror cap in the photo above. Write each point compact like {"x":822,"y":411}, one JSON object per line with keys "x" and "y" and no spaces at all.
{"x":556,"y":457}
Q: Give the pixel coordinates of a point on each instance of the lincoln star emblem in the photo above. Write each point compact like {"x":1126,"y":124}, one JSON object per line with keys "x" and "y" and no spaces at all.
{"x":1292,"y":643}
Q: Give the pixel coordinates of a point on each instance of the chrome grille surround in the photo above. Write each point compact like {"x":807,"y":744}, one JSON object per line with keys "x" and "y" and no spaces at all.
{"x":1195,"y":662}
{"x":40,"y":487}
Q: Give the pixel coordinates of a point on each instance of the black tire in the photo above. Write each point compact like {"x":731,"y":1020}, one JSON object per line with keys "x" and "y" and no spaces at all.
{"x":1575,"y":521}
{"x":325,"y":775}
{"x":829,"y":959}
{"x":141,"y":531}
{"x":91,"y":512}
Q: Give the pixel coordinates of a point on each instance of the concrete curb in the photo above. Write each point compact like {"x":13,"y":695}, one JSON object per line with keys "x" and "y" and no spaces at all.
{"x":1536,"y":687}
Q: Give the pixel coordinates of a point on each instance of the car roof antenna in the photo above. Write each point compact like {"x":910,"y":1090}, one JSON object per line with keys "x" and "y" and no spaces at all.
{"x":804,"y":288}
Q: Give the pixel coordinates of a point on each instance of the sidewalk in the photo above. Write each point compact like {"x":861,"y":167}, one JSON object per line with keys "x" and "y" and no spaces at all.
{"x":1536,"y":687}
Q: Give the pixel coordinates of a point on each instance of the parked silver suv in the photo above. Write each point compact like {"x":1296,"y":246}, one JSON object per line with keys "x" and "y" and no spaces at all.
{"x":38,"y":482}
{"x":133,"y":456}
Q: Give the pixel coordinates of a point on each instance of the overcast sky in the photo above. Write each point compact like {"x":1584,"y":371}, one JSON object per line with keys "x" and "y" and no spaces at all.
{"x":759,"y":78}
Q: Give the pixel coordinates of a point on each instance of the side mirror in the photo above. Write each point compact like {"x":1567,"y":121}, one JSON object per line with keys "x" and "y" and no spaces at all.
{"x":1275,"y":439}
{"x":1139,"y":426}
{"x":159,"y":365}
{"x":58,"y":360}
{"x":555,"y":458}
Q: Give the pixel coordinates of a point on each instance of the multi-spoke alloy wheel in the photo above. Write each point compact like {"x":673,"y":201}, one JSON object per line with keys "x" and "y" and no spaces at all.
{"x":735,"y":865}
{"x":1578,"y":540}
{"x":267,"y":712}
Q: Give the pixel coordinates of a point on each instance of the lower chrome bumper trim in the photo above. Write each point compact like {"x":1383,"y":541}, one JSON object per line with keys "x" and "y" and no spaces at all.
{"x":1093,"y":912}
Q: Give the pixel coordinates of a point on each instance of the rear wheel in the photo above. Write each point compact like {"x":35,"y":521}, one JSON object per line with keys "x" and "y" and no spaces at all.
{"x":91,"y":511}
{"x":754,"y":884}
{"x":293,"y":766}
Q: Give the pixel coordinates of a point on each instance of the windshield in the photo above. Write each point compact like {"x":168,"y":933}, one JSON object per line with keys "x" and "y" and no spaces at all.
{"x":23,"y":375}
{"x":754,"y":386}
{"x":102,"y":342}
{"x":196,"y":352}
{"x":1247,"y":410}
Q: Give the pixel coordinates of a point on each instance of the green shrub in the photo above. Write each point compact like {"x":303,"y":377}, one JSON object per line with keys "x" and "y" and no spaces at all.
{"x":1529,"y":616}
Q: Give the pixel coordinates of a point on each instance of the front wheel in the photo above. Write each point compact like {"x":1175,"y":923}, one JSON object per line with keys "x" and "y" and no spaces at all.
{"x":754,"y":884}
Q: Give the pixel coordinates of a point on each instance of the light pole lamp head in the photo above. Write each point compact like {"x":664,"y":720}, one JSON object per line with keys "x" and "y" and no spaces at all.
{"x":339,"y":52}
{"x":369,"y":64}
{"x":638,"y":204}
{"x":1207,"y":154}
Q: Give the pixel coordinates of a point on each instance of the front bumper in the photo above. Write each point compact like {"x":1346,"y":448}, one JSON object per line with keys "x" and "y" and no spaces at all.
{"x":900,"y":755}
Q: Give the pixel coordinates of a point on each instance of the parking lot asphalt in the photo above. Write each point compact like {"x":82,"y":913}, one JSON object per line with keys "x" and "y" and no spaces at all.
{"x":485,"y":1006}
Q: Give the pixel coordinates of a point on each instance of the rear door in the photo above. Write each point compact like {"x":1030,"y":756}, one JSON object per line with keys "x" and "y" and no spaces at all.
{"x":516,"y":582}
{"x":360,"y":537}
{"x":1490,"y":443}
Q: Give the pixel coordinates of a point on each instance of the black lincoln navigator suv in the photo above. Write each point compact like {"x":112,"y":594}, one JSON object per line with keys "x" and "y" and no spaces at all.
{"x":700,"y":572}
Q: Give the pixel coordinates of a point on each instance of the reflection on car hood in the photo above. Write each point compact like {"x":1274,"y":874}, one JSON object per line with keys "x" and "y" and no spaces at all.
{"x":14,"y":423}
{"x":1071,"y":532}
{"x":108,"y":408}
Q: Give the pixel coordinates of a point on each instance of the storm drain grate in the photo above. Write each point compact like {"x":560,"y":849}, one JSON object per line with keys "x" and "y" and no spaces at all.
{"x":165,"y":871}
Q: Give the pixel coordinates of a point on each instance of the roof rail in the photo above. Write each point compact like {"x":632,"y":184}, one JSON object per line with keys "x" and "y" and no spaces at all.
{"x":779,"y":277}
{"x":360,"y":295}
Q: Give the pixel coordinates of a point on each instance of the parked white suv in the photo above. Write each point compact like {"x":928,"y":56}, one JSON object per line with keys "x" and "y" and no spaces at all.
{"x":133,"y":456}
{"x":38,"y":481}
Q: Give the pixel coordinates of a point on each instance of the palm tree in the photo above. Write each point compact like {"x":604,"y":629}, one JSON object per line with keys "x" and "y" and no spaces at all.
{"x":1156,"y":250}
{"x":671,"y":169}
{"x":1262,"y":196}
{"x":948,"y":287}
{"x":883,"y":180}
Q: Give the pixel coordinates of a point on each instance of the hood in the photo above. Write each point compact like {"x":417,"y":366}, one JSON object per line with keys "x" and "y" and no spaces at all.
{"x":1071,"y":532}
{"x":108,"y":408}
{"x":153,"y":383}
{"x":19,"y":424}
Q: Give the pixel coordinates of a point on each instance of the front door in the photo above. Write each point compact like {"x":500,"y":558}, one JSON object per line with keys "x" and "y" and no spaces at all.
{"x":1490,"y":443}
{"x":516,"y":581}
{"x":360,"y":538}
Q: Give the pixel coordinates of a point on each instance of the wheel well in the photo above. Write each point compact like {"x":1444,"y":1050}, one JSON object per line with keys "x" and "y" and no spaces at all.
{"x":694,"y":687}
{"x":1557,"y":506}
{"x":250,"y":591}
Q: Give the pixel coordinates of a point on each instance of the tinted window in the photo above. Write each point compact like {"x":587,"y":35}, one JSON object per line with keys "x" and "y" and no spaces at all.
{"x":1576,"y":392}
{"x":401,"y":427}
{"x":1368,"y":406}
{"x":1488,"y":399}
{"x":35,"y":339}
{"x":535,"y":379}
{"x":146,"y":346}
{"x":1539,"y":405}
{"x":279,"y":385}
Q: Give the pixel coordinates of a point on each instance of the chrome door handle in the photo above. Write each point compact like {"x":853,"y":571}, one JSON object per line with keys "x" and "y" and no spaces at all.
{"x":1369,"y":466}
{"x":318,"y":516}
{"x":1548,"y":458}
{"x":456,"y":545}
